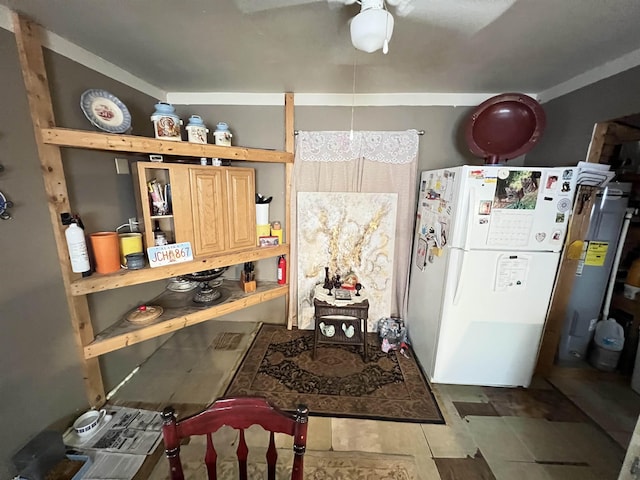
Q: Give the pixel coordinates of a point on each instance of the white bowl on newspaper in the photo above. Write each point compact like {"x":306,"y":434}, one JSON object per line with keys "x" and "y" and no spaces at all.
{"x":86,"y":423}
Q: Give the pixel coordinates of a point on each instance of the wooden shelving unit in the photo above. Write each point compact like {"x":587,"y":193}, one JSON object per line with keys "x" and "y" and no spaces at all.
{"x":51,"y":139}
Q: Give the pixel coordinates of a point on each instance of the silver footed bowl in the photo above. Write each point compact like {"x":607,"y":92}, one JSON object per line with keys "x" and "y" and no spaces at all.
{"x":205,"y":275}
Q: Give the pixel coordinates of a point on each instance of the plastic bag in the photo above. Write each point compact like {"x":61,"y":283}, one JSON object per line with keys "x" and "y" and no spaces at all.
{"x":392,"y":333}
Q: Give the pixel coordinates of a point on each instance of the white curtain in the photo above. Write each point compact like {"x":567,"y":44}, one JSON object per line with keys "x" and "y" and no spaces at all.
{"x":366,"y":162}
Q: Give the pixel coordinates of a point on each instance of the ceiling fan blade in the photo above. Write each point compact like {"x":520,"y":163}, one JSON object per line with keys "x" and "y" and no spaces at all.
{"x":254,"y":6}
{"x":467,"y":16}
{"x":402,"y":7}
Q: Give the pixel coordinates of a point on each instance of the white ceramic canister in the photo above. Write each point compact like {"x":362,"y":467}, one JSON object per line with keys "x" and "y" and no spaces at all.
{"x":222,"y":135}
{"x":196,"y":130}
{"x":166,"y":124}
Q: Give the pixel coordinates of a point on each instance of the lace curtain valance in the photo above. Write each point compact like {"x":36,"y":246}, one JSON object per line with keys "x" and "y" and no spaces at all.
{"x":386,"y":147}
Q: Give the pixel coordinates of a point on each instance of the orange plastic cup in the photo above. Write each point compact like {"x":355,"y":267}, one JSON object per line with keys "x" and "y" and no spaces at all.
{"x":106,"y":251}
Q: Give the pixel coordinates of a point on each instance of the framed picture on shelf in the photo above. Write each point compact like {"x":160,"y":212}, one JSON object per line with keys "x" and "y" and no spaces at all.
{"x":268,"y":241}
{"x":342,"y":294}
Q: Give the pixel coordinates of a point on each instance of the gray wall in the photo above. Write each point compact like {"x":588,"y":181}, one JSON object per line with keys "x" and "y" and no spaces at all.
{"x":570,"y":118}
{"x":41,"y":380}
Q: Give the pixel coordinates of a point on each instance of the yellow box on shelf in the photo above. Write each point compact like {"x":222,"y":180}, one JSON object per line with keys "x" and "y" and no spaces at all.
{"x":262,"y":231}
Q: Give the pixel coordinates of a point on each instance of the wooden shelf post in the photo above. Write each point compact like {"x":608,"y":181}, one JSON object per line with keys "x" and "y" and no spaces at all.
{"x":41,"y":108}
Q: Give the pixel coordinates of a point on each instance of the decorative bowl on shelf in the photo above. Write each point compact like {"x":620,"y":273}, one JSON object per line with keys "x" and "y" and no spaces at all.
{"x":208,"y":293}
{"x":179,"y":284}
{"x":105,"y":111}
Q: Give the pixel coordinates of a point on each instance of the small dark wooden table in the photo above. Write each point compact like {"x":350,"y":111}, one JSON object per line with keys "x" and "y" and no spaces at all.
{"x":358,"y":313}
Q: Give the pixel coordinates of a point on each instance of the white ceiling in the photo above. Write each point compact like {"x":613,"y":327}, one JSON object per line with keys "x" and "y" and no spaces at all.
{"x":443,"y":46}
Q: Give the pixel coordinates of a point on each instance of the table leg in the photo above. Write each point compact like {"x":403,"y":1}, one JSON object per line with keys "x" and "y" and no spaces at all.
{"x":364,"y":340}
{"x":315,"y":336}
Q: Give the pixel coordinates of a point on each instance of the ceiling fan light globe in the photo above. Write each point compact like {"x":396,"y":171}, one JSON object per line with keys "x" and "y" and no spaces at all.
{"x":370,"y":29}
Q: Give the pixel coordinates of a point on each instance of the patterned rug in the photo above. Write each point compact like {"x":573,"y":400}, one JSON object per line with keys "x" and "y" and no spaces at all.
{"x":338,"y":383}
{"x":318,"y":465}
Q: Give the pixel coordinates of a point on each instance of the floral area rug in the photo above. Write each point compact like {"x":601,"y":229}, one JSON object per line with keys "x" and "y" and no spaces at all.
{"x":338,"y":383}
{"x":318,"y":465}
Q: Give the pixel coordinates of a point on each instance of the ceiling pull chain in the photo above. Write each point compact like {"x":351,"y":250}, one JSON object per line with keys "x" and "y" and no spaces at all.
{"x":385,"y":44}
{"x":353,"y":94}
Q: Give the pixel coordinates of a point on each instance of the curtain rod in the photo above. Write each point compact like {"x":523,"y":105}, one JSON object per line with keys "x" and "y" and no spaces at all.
{"x":420,"y":132}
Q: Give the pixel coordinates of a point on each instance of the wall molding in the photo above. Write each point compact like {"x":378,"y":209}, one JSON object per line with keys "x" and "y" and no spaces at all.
{"x":5,"y":18}
{"x":606,"y":70}
{"x":84,"y":57}
{"x":333,"y":99}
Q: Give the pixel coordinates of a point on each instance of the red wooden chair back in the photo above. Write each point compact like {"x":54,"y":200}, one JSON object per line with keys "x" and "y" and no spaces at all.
{"x":238,"y":413}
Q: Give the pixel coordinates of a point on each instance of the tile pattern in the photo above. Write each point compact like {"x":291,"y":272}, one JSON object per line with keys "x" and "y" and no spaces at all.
{"x":470,"y":468}
{"x":227,"y":341}
{"x":595,"y":392}
{"x":533,"y":402}
{"x":481,"y":409}
{"x":490,"y":433}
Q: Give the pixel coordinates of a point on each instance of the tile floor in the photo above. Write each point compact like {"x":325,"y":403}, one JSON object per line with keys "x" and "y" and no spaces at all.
{"x":490,"y":433}
{"x":595,"y":393}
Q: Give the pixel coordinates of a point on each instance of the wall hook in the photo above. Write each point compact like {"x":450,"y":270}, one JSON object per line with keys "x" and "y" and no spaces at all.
{"x":4,"y":205}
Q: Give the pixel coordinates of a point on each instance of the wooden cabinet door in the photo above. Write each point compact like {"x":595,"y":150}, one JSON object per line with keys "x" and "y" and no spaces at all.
{"x":208,"y":198}
{"x":241,"y":210}
{"x":181,"y":204}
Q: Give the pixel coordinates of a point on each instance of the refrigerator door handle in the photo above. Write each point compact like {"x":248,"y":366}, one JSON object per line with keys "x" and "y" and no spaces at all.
{"x":471,"y":201}
{"x":459,"y":277}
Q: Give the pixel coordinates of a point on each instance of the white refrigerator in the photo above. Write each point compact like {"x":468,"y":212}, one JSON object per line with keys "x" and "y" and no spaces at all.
{"x":484,"y":262}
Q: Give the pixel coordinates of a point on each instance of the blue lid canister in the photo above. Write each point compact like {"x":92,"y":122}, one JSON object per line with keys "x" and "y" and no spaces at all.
{"x":196,"y":130}
{"x":222,"y":135}
{"x":166,"y":123}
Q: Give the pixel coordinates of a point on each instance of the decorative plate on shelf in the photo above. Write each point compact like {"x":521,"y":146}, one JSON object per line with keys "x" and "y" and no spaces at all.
{"x":144,"y":314}
{"x":105,"y":111}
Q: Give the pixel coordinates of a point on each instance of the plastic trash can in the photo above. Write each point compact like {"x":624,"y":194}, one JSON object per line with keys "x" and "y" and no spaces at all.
{"x":607,"y":348}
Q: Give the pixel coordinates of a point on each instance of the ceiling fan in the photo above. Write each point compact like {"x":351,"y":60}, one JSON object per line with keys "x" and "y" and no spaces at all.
{"x":371,"y":29}
{"x":374,"y":23}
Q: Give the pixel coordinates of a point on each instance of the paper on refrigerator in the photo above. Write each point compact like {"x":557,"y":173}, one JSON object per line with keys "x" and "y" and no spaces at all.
{"x":511,"y":272}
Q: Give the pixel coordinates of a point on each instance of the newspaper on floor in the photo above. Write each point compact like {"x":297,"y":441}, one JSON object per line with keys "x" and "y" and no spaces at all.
{"x":122,"y":430}
{"x":113,"y":466}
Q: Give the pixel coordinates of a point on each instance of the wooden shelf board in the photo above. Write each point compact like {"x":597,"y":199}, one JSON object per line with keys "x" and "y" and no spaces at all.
{"x":619,"y":301}
{"x":65,"y":137}
{"x":124,"y":278}
{"x":123,"y":333}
